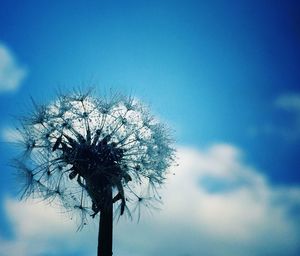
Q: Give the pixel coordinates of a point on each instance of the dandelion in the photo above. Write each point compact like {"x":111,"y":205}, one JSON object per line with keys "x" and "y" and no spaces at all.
{"x":93,"y":156}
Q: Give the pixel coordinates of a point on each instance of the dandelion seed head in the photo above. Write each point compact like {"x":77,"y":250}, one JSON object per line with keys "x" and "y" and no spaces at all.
{"x":78,"y":147}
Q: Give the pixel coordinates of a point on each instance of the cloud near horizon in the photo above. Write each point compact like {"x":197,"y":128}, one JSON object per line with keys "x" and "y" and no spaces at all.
{"x":215,"y":204}
{"x":12,"y":73}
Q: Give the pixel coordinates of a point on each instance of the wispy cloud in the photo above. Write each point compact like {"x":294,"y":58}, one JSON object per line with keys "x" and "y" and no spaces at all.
{"x":288,"y":103}
{"x":12,"y":73}
{"x":9,"y":134}
{"x":291,"y":103}
{"x":249,"y":217}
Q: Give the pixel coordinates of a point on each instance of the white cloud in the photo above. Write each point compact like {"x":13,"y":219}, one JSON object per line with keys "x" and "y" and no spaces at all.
{"x":11,"y":135}
{"x":11,"y":73}
{"x":242,"y":215}
{"x":43,"y":230}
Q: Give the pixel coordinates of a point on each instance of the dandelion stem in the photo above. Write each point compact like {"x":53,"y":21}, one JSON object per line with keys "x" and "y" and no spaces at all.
{"x":106,"y":227}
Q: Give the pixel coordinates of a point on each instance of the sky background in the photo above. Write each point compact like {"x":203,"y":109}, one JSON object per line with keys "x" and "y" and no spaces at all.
{"x":223,"y":74}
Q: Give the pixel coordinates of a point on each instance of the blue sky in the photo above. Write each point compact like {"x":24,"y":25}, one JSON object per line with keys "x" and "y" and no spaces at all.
{"x":223,"y":74}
